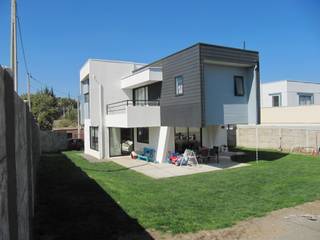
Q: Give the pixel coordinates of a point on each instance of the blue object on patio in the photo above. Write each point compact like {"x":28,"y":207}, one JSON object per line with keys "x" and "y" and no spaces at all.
{"x":147,"y":155}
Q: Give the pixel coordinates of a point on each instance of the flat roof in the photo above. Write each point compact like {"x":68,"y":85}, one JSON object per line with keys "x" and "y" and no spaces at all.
{"x":297,"y":81}
{"x":197,"y":44}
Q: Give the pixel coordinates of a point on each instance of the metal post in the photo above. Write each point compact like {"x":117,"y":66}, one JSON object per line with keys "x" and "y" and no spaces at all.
{"x":257,"y":146}
{"x":78,"y":111}
{"x":29,"y":98}
{"x":13,"y":47}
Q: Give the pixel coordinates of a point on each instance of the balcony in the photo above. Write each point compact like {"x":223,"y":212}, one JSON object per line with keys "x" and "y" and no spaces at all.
{"x":140,"y":78}
{"x":133,"y":113}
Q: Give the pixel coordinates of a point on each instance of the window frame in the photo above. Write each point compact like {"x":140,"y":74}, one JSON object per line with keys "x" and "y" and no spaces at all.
{"x":176,"y":85}
{"x":311,"y":95}
{"x":276,"y":95}
{"x":95,"y":130}
{"x":143,"y":140}
{"x":235,"y":78}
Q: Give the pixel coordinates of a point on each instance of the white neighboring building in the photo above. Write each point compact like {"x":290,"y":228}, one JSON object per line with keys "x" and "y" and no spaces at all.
{"x":289,"y":93}
{"x":184,"y":100}
{"x":290,"y":103}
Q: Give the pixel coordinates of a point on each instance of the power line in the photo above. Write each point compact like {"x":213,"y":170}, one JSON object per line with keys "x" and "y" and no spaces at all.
{"x":29,"y":75}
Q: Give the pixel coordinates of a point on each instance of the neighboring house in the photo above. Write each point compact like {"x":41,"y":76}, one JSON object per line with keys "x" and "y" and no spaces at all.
{"x":290,"y":102}
{"x":289,"y":93}
{"x":184,"y":100}
{"x":72,"y":132}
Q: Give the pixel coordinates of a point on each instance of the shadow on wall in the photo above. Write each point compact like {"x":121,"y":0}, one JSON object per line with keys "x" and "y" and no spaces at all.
{"x":73,"y":206}
{"x":264,"y":155}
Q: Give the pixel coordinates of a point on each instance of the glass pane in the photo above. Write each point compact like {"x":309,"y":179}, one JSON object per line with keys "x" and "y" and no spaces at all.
{"x":194,"y":138}
{"x":239,"y":86}
{"x":115,"y":142}
{"x":181,"y":139}
{"x":275,"y":101}
{"x":179,"y":85}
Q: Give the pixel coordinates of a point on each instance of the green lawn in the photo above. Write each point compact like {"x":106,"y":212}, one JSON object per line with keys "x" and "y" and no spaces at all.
{"x":209,"y":200}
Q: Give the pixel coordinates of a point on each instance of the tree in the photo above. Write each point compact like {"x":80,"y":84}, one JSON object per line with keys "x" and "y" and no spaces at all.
{"x":44,"y":107}
{"x":47,"y":108}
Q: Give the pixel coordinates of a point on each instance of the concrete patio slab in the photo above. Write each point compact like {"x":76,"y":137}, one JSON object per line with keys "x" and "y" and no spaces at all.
{"x":165,"y":170}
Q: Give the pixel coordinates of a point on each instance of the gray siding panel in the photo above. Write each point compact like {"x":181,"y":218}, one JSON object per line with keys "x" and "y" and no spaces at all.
{"x":182,"y":110}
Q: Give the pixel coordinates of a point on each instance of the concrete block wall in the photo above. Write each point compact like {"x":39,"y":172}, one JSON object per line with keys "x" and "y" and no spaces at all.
{"x":19,"y":156}
{"x":51,"y":141}
{"x":287,"y":138}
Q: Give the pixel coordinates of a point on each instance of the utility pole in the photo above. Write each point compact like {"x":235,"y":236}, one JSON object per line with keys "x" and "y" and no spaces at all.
{"x":78,"y":111}
{"x":29,"y":98}
{"x":13,"y":48}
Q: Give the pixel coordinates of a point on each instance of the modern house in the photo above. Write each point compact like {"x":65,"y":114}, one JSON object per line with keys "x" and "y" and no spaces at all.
{"x":185,"y":100}
{"x":290,"y":102}
{"x":288,"y":93}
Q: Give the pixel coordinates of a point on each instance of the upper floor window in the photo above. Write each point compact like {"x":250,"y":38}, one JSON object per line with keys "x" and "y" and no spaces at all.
{"x":179,"y":85}
{"x":238,"y":86}
{"x":276,"y":100}
{"x":305,"y":98}
{"x":86,"y":97}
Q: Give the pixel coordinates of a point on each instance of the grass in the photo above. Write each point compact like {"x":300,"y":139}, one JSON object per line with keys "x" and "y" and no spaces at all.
{"x":209,"y":200}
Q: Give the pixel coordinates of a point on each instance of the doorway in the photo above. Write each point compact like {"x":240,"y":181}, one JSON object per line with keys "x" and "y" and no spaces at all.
{"x":120,"y":141}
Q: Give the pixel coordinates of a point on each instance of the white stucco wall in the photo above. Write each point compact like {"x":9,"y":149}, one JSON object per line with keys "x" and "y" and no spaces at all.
{"x":289,"y":92}
{"x":87,"y":149}
{"x":214,"y":136}
{"x":104,"y":88}
{"x":160,"y":139}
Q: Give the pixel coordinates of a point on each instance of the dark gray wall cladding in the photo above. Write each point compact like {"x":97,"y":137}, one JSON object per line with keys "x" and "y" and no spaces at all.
{"x":182,"y":110}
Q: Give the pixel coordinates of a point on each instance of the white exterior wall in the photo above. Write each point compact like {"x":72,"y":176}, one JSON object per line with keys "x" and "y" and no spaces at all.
{"x":214,"y":136}
{"x":104,"y":88}
{"x":267,"y":89}
{"x":87,"y":149}
{"x":293,"y":88}
{"x":161,"y":139}
{"x":289,"y":92}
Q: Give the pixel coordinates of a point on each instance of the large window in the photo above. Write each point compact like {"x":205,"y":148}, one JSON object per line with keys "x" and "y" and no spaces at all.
{"x":238,"y":86}
{"x":94,"y":138}
{"x":276,"y":100}
{"x":143,"y":135}
{"x":187,"y":138}
{"x":305,"y":98}
{"x":179,"y":85}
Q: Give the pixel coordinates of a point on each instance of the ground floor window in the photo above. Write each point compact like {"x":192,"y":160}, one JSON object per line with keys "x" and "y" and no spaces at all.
{"x":94,"y":140}
{"x":187,"y":138}
{"x":143,"y":135}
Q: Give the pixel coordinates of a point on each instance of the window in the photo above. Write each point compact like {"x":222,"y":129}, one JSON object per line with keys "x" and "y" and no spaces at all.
{"x":69,"y":135}
{"x":179,"y":85}
{"x":187,"y":138}
{"x":305,"y":98}
{"x":94,"y":140}
{"x":143,"y":135}
{"x":86,"y":97}
{"x":276,"y":100}
{"x":238,"y":86}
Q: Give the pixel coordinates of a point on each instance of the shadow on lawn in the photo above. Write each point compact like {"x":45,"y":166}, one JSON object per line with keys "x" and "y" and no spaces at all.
{"x":265,"y":155}
{"x":73,"y":206}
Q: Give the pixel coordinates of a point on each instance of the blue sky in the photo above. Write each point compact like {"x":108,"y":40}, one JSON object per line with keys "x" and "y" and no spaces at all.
{"x":60,"y":35}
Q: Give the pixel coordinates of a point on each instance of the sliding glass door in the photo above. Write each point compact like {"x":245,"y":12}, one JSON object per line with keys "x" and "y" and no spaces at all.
{"x":120,"y":141}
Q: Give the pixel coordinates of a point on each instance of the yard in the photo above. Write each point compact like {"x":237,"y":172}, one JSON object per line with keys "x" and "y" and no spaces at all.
{"x":115,"y":196}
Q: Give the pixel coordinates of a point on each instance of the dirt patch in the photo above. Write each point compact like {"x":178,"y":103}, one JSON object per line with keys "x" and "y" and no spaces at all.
{"x":300,"y":222}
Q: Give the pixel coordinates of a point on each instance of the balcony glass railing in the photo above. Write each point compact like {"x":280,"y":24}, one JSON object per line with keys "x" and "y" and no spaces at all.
{"x":122,"y":105}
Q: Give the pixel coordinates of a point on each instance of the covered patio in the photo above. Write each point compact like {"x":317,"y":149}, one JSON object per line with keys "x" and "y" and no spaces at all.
{"x":165,"y":170}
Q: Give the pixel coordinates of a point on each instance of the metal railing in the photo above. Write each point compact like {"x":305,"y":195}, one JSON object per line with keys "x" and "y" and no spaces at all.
{"x":122,"y":105}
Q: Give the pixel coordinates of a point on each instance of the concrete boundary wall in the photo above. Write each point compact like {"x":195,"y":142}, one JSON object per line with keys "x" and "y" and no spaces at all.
{"x":19,"y":157}
{"x":304,"y":138}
